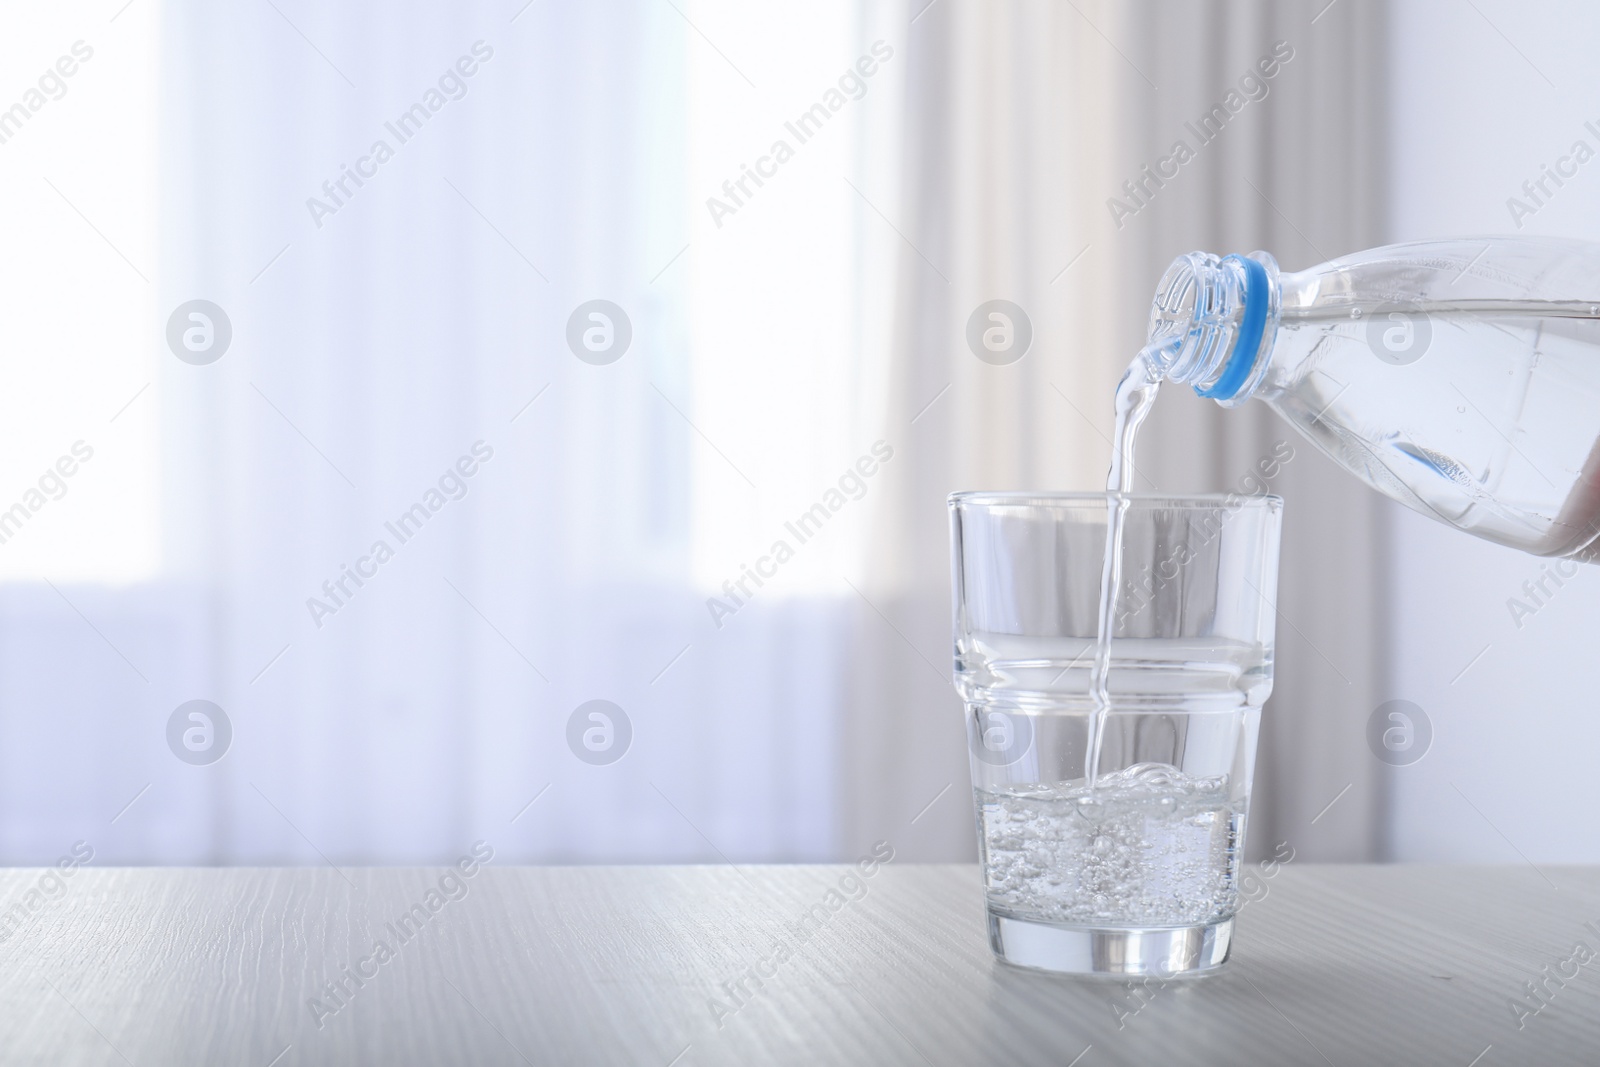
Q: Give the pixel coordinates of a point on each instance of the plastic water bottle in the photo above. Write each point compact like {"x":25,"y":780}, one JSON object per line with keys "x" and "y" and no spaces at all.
{"x":1461,"y":377}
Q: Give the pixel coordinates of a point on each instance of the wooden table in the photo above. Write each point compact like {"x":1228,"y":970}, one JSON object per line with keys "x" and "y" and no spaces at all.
{"x":1332,"y":965}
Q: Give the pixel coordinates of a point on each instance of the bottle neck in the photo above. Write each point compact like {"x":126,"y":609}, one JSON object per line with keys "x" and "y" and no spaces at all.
{"x":1213,"y":322}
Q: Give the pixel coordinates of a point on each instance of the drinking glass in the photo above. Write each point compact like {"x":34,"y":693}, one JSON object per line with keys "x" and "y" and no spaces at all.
{"x":1134,"y":872}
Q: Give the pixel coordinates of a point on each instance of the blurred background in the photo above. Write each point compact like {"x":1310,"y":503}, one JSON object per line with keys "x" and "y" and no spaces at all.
{"x":398,"y":220}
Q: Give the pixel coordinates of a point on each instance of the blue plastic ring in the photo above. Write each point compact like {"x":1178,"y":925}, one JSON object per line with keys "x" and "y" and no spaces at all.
{"x":1245,"y":346}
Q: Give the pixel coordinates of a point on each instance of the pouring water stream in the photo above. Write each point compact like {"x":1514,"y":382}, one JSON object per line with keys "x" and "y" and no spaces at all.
{"x":1136,"y":394}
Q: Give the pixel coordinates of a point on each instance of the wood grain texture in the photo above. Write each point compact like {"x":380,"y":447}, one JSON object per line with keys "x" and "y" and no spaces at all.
{"x":1334,"y":965}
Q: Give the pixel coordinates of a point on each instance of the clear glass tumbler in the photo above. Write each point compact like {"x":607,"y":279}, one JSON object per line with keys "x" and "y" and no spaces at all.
{"x":1137,"y":872}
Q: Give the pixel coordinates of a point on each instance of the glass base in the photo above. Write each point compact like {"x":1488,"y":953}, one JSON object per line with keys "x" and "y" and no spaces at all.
{"x":1162,"y":951}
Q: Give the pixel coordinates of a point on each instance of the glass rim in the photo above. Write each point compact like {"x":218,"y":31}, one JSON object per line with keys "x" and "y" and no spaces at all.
{"x":982,"y":498}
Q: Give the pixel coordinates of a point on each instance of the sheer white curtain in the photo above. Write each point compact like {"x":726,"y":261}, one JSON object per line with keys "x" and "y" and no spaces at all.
{"x":391,"y":325}
{"x":797,"y":350}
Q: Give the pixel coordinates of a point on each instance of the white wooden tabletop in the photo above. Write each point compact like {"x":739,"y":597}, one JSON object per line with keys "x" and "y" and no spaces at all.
{"x":659,"y":966}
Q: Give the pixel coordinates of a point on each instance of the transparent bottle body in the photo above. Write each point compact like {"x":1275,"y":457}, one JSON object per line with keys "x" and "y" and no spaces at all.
{"x":1461,"y":378}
